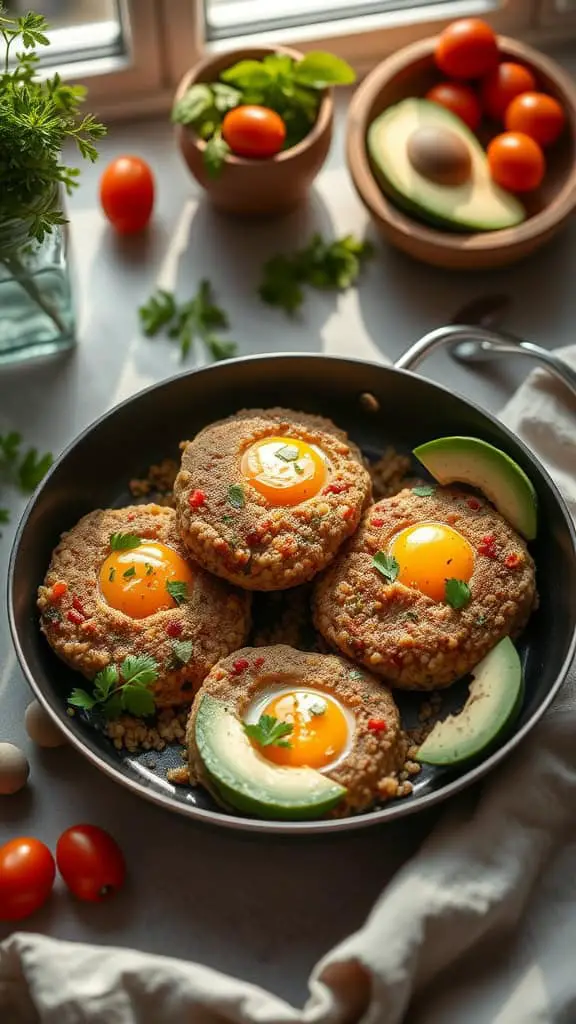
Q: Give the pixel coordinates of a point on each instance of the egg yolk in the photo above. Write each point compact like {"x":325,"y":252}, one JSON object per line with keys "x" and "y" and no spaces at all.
{"x":134,"y":581}
{"x":284,"y":470}
{"x":319,"y":729}
{"x":429,"y":554}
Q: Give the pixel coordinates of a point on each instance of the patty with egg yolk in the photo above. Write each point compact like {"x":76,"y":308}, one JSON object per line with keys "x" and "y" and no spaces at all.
{"x":100,"y":603}
{"x":376,"y":744}
{"x":265,"y":498}
{"x":403,"y":628}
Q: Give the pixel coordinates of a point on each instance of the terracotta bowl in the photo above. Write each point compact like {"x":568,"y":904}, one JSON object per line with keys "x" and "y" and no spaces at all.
{"x":411,"y":72}
{"x":256,"y":187}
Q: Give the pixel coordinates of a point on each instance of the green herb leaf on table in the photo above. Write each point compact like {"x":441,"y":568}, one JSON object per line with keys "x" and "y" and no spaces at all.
{"x":182,"y":650}
{"x":124,"y":541}
{"x":198,"y":318}
{"x":33,"y":469}
{"x":387,"y":565}
{"x":288,"y":453}
{"x":457,"y":593}
{"x":324,"y":265}
{"x":269,"y":731}
{"x":236,"y":496}
{"x":426,"y":491}
{"x":159,"y":311}
{"x":178,"y":590}
{"x":9,"y":447}
{"x":4,"y":516}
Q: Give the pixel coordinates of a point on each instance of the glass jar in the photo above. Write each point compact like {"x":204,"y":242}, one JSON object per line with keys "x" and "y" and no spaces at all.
{"x":36,"y":311}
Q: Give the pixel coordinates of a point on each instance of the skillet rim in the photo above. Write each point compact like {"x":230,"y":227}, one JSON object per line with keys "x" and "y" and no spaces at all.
{"x":216,"y":818}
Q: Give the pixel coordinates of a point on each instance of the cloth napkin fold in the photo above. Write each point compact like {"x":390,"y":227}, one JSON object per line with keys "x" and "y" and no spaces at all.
{"x":478,"y":928}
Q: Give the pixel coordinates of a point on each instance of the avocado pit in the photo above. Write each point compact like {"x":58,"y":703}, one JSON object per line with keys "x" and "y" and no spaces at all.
{"x":440,"y":155}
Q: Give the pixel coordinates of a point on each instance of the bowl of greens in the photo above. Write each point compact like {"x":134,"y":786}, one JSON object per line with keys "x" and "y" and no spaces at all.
{"x":254,"y":125}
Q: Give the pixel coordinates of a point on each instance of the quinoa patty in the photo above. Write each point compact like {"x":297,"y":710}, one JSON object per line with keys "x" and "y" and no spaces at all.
{"x":88,"y":633}
{"x":376,"y":756}
{"x":234,"y":530}
{"x":401,"y":634}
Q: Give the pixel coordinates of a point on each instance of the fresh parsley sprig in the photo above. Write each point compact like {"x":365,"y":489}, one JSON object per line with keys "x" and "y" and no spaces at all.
{"x":457,"y":593}
{"x":269,"y":732}
{"x":199,"y":318}
{"x":124,"y":541}
{"x":387,"y":565}
{"x":324,"y":265}
{"x":121,"y":689}
{"x":23,"y":470}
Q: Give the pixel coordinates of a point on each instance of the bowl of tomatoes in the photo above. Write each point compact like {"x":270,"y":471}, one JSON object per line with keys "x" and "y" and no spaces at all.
{"x":254,"y":125}
{"x":462,"y":148}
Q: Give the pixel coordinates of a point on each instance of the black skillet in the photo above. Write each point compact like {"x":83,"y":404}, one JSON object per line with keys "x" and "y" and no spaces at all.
{"x":93,"y":473}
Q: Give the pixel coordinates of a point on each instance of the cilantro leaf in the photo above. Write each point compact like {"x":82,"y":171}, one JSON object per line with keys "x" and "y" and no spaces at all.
{"x":425,"y":491}
{"x":269,"y":731}
{"x":215,"y":153}
{"x":33,"y":469}
{"x":281,"y":284}
{"x":235,"y":496}
{"x":124,"y":541}
{"x":178,"y":590}
{"x":113,"y":707}
{"x":131,"y":571}
{"x":325,"y":265}
{"x":289,"y":453}
{"x":457,"y":593}
{"x":4,"y":516}
{"x":182,"y":651}
{"x":200,"y":317}
{"x":159,"y":311}
{"x":81,"y":699}
{"x":140,"y":669}
{"x":10,"y":447}
{"x":387,"y":565}
{"x":137,"y":700}
{"x":105,"y":682}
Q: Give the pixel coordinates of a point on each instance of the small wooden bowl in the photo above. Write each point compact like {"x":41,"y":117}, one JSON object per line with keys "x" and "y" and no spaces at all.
{"x":411,"y":72}
{"x":256,"y":187}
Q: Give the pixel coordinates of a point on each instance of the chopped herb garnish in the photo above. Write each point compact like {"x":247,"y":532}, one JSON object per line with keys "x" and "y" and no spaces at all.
{"x":236,"y":496}
{"x":480,"y":621}
{"x":298,"y":469}
{"x":228,"y":520}
{"x":387,"y":565}
{"x":411,"y":615}
{"x":149,"y":568}
{"x":324,"y":265}
{"x":124,"y":689}
{"x":269,"y":732}
{"x":178,"y":590}
{"x":318,"y":707}
{"x":198,"y":318}
{"x":457,"y":593}
{"x":112,"y":575}
{"x":424,"y":492}
{"x":22,"y":471}
{"x":182,"y":650}
{"x":124,"y":541}
{"x":129,"y":572}
{"x":355,"y":674}
{"x":289,"y":453}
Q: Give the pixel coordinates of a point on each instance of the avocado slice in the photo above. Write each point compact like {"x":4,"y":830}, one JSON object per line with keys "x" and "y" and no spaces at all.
{"x":247,"y":781}
{"x":472,"y":461}
{"x":494,"y":699}
{"x":475,"y":204}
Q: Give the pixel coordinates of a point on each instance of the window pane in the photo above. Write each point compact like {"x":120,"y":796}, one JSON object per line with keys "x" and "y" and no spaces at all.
{"x":232,"y":17}
{"x":79,"y":29}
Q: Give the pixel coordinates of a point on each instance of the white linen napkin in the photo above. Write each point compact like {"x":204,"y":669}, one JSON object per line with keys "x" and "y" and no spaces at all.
{"x":478,"y":928}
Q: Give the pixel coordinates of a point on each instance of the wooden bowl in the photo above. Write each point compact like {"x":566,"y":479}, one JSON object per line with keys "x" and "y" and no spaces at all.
{"x":411,"y":72}
{"x":256,"y":187}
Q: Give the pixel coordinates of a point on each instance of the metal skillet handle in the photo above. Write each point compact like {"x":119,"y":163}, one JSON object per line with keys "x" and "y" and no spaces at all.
{"x":485,"y":345}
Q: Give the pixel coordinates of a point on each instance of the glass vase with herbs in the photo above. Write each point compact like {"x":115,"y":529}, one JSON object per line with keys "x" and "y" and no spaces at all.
{"x":37,"y":116}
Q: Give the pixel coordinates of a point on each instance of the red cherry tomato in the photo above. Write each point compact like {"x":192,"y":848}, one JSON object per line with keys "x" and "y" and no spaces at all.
{"x":502,"y":85}
{"x":467,"y":49}
{"x":27,"y":873}
{"x":516,"y":162}
{"x":90,"y":862}
{"x":254,"y":132}
{"x":537,"y":115}
{"x":458,"y":98}
{"x":127,"y":193}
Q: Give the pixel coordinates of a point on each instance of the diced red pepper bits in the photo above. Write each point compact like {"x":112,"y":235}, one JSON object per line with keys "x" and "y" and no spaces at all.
{"x":474,"y":504}
{"x":57,"y":591}
{"x":130,"y":517}
{"x":347,"y":513}
{"x":77,"y":604}
{"x":240,"y":666}
{"x":487,"y":546}
{"x":377,"y":523}
{"x":512,"y":560}
{"x":335,"y":488}
{"x":377,"y":725}
{"x":258,"y":663}
{"x":196,"y":499}
{"x":174,"y":629}
{"x":75,"y":617}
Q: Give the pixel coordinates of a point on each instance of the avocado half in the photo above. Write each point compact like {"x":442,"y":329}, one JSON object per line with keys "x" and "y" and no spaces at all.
{"x":494,"y":699}
{"x":472,"y":461}
{"x":476,"y":205}
{"x":247,"y":781}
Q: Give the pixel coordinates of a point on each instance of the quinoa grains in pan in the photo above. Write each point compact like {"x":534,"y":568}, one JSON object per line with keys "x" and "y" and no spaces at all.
{"x":266,"y":497}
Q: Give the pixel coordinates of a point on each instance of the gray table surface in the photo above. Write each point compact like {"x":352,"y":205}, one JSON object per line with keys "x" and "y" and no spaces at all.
{"x":261,"y":909}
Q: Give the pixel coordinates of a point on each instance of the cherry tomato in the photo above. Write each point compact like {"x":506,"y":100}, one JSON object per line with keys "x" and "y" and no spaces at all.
{"x":253,"y":131}
{"x":537,"y":115}
{"x":502,"y":85}
{"x":90,"y":862}
{"x":127,"y":193}
{"x":516,"y":162}
{"x":458,"y":98}
{"x":467,"y":49}
{"x":27,"y":873}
